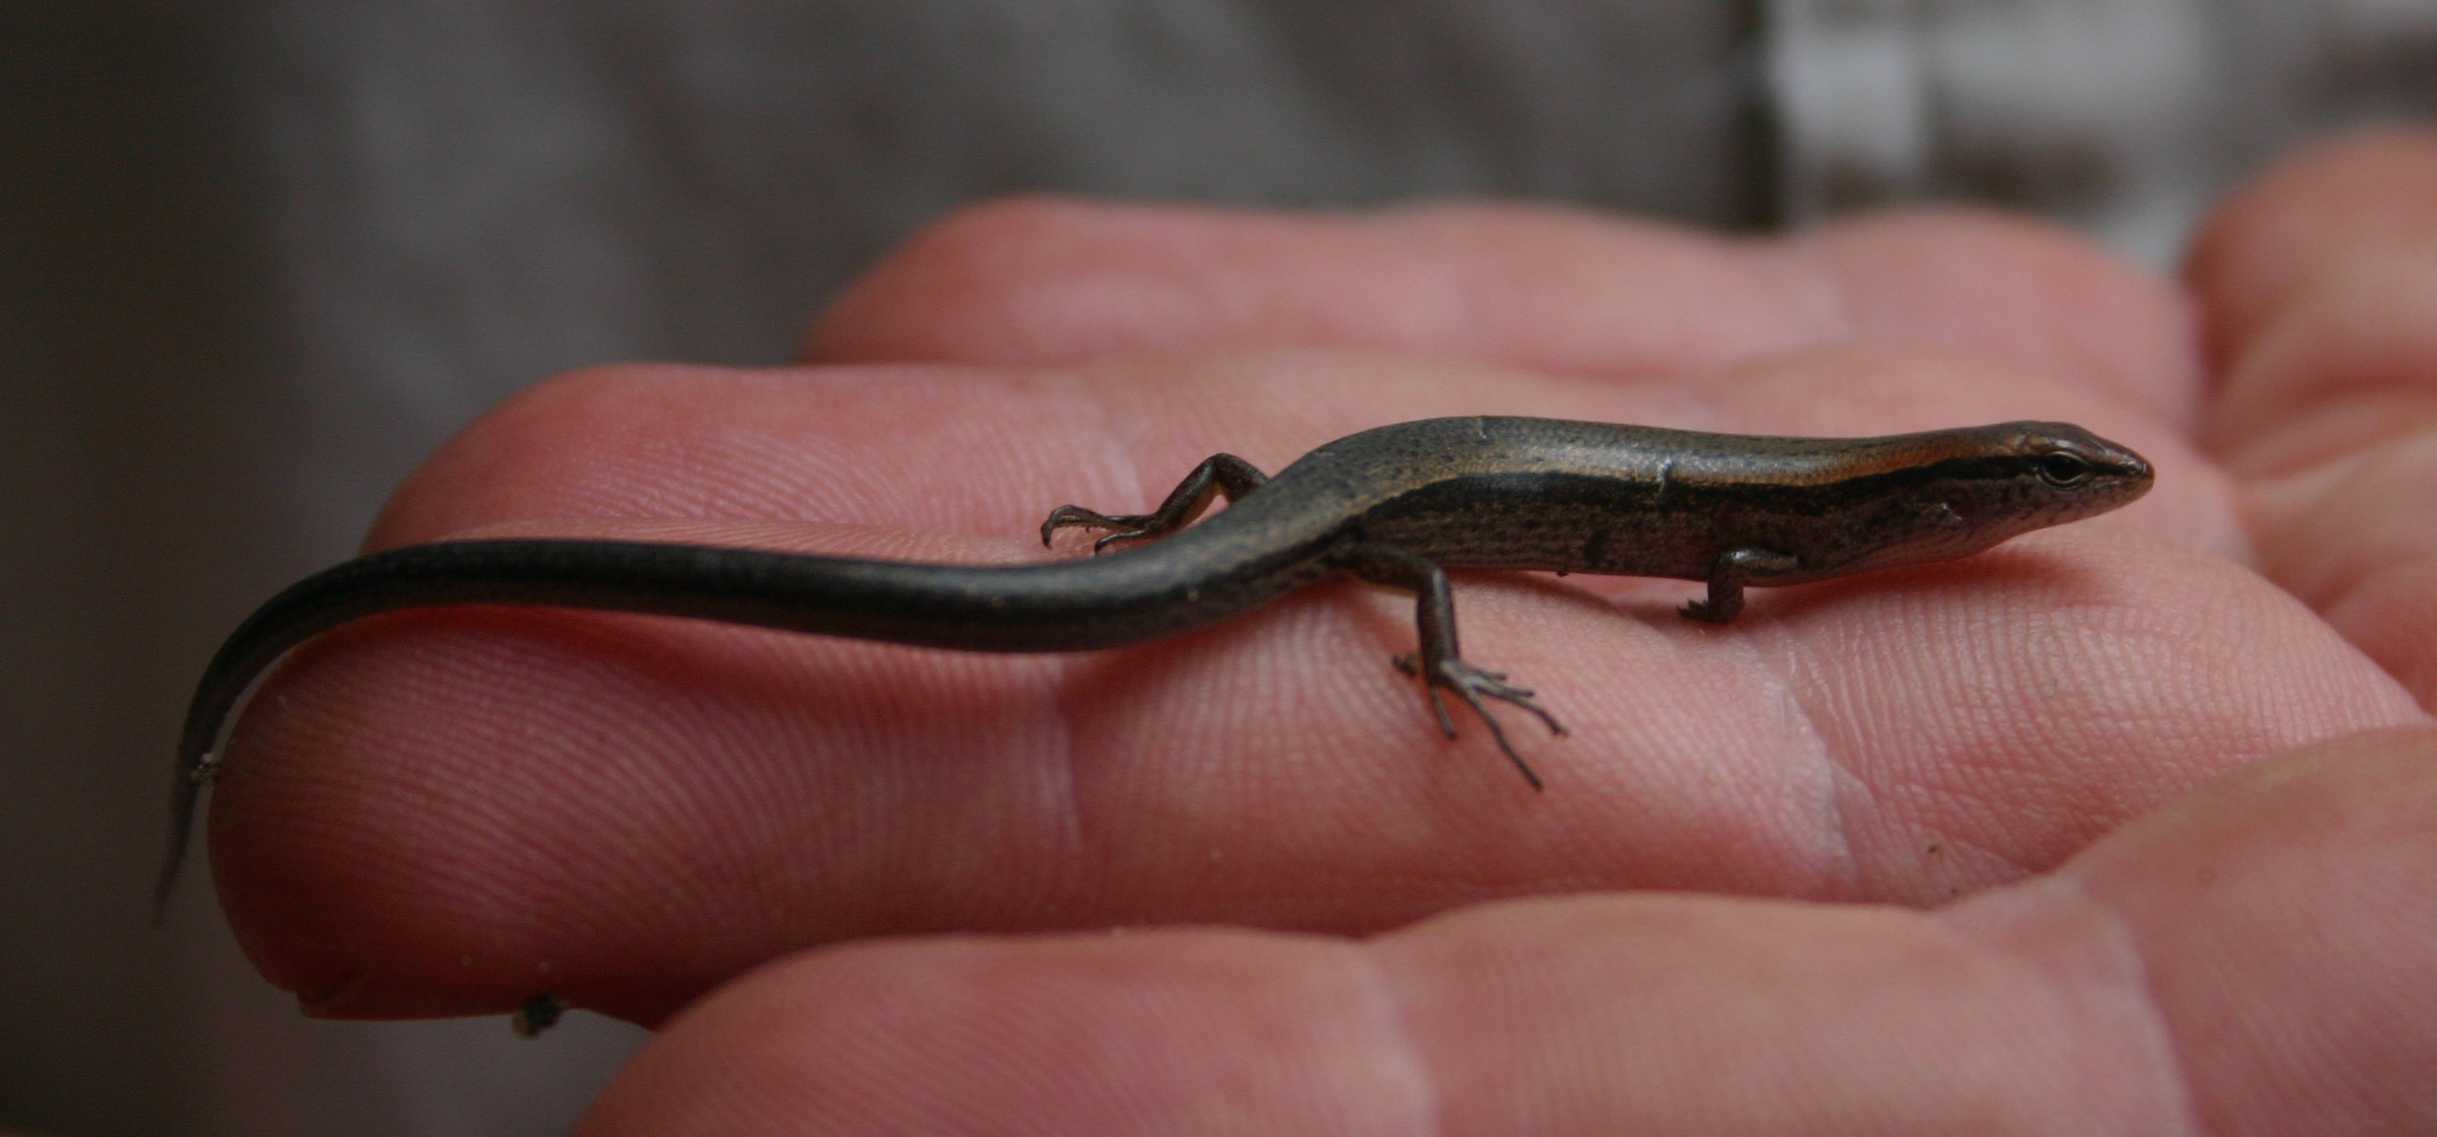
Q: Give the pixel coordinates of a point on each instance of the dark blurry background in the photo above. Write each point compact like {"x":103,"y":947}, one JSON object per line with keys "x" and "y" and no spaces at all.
{"x":261,"y":256}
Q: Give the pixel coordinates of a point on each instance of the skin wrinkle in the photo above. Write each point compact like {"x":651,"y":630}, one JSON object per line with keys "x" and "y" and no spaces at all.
{"x":2363,"y":597}
{"x":1070,"y":693}
{"x":1063,"y":697}
{"x":2122,"y":945}
{"x":1842,"y":864}
{"x":1394,"y":1029}
{"x":1967,"y":801}
{"x":1063,"y":691}
{"x":2296,"y":505}
{"x":2302,"y":428}
{"x":2360,"y":591}
{"x":1059,"y":713}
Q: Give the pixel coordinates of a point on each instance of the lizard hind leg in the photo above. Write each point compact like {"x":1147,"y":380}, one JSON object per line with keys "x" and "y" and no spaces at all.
{"x":1219,"y":474}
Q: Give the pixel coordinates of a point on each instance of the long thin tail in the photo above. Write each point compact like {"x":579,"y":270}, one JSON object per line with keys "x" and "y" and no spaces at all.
{"x":1061,"y":606}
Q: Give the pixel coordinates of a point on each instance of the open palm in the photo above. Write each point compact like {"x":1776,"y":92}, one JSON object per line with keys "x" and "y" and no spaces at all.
{"x":2114,"y":839}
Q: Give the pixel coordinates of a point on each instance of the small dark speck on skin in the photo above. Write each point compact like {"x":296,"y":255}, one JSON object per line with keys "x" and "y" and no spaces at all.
{"x":537,"y":1014}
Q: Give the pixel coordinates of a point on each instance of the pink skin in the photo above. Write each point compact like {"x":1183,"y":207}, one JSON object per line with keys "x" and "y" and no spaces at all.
{"x":2126,"y":827}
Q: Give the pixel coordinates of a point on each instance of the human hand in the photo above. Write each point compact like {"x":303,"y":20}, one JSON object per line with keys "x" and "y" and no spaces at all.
{"x":445,"y":812}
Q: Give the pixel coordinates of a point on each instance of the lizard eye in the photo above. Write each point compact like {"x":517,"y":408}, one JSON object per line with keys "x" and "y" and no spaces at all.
{"x":2061,"y":469}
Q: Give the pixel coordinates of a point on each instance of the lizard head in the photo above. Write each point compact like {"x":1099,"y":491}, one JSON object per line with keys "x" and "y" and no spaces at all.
{"x":2048,"y":473}
{"x":1957,"y":492}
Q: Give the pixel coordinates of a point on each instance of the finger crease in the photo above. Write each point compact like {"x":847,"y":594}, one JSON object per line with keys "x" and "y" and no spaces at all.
{"x":1400,"y":1056}
{"x":2119,"y":966}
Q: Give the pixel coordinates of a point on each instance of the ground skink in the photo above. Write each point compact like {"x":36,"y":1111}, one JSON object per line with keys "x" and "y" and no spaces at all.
{"x":1397,"y":505}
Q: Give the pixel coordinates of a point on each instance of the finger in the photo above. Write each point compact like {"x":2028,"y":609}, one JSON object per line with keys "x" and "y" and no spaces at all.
{"x":2281,"y":921}
{"x":1052,"y":282}
{"x":448,"y":810}
{"x":2321,"y":286}
{"x":2307,"y":218}
{"x":2249,"y":961}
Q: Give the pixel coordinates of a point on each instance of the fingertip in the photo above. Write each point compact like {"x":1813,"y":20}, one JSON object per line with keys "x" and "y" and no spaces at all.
{"x":2030,"y":291}
{"x":2364,"y":193}
{"x":1023,"y":280}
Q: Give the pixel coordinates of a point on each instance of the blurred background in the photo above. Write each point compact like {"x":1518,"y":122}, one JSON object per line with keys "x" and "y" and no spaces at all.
{"x":261,"y":256}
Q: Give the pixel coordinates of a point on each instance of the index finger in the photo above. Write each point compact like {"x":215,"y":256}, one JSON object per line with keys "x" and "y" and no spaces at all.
{"x":1566,"y":292}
